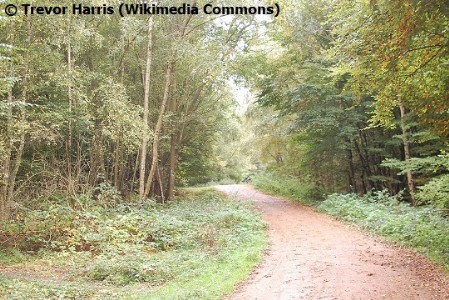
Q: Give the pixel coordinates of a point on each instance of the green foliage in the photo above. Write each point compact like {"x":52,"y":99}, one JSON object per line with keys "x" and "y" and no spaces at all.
{"x":79,"y":112}
{"x":424,"y":228}
{"x":397,"y":55}
{"x":310,"y":126}
{"x":421,"y":165}
{"x":16,"y":289}
{"x":220,"y":159}
{"x":287,"y":186}
{"x":127,"y":244}
{"x":435,"y":192}
{"x":330,"y":90}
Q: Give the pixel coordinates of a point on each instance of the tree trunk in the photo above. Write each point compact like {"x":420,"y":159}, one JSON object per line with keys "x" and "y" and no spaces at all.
{"x":157,"y":130}
{"x":143,"y":148}
{"x":161,"y":185}
{"x":351,"y":172}
{"x":363,"y":171}
{"x":97,"y":157}
{"x":70,"y":188}
{"x":12,"y":174}
{"x":117,"y":162}
{"x":168,"y":79}
{"x":173,"y":163}
{"x":407,"y":156}
{"x":6,"y":168}
{"x":134,"y":173}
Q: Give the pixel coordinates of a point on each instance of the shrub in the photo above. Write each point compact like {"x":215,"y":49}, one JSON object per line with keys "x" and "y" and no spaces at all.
{"x":288,"y":186}
{"x":422,"y":228}
{"x":435,"y":192}
{"x":140,"y":243}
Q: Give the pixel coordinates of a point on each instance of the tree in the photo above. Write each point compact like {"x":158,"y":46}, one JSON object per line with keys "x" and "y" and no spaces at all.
{"x":394,"y":52}
{"x":143,"y":149}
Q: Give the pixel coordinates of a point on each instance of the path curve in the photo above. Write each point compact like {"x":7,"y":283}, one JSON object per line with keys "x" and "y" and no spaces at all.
{"x":313,"y":256}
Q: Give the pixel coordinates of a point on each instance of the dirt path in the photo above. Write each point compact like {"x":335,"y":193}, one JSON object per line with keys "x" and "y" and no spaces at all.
{"x":313,"y":256}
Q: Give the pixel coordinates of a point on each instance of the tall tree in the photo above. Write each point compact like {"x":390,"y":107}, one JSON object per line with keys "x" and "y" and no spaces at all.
{"x":143,"y":148}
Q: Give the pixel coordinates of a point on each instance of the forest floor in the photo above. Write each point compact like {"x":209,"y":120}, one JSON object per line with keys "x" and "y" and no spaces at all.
{"x":198,"y":247}
{"x":313,"y":256}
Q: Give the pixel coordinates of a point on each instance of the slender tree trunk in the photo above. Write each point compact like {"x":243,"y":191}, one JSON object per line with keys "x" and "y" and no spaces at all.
{"x":70,"y":188}
{"x":19,"y":151}
{"x":97,"y":157}
{"x":122,"y":172}
{"x":406,"y":144}
{"x":6,"y":166}
{"x":173,"y":162}
{"x":134,"y":173}
{"x":351,"y":172}
{"x":168,"y":79}
{"x":370,"y":159}
{"x":117,"y":162}
{"x":177,"y":140}
{"x":157,"y":130}
{"x":17,"y":163}
{"x":161,"y":185}
{"x":143,"y":148}
{"x":363,"y":171}
{"x":78,"y":161}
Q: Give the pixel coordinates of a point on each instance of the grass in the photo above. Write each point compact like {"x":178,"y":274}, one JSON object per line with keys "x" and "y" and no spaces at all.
{"x":424,"y":228}
{"x":287,"y":186}
{"x":197,"y":247}
{"x":214,"y":280}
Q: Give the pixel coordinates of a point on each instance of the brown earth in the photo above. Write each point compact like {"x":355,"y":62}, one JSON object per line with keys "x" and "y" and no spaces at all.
{"x":313,"y":256}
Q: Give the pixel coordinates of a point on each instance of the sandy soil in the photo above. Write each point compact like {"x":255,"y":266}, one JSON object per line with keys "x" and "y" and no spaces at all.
{"x":313,"y":256}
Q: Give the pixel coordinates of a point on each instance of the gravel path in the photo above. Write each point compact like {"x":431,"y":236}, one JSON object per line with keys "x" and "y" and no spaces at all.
{"x":313,"y":256}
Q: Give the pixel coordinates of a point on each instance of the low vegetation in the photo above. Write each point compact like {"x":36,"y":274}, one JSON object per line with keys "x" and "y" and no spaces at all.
{"x":287,"y":186}
{"x":196,"y":247}
{"x":424,"y":228}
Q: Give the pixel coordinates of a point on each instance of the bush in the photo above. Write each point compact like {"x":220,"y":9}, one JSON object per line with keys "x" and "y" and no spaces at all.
{"x":139,"y":243}
{"x":422,"y":228}
{"x":435,"y":192}
{"x":288,"y":186}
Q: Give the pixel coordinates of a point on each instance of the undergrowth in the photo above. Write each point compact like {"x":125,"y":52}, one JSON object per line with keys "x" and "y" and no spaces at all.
{"x":287,"y":186}
{"x":422,"y":228}
{"x":134,"y":250}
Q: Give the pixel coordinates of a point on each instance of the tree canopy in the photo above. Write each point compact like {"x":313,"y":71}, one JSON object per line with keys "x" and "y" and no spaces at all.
{"x":363,"y":86}
{"x":350,"y":96}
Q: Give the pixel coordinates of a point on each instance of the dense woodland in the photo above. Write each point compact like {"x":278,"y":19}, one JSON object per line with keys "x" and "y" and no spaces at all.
{"x":118,"y":106}
{"x":353,"y":96}
{"x":106,"y":120}
{"x":350,"y":96}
